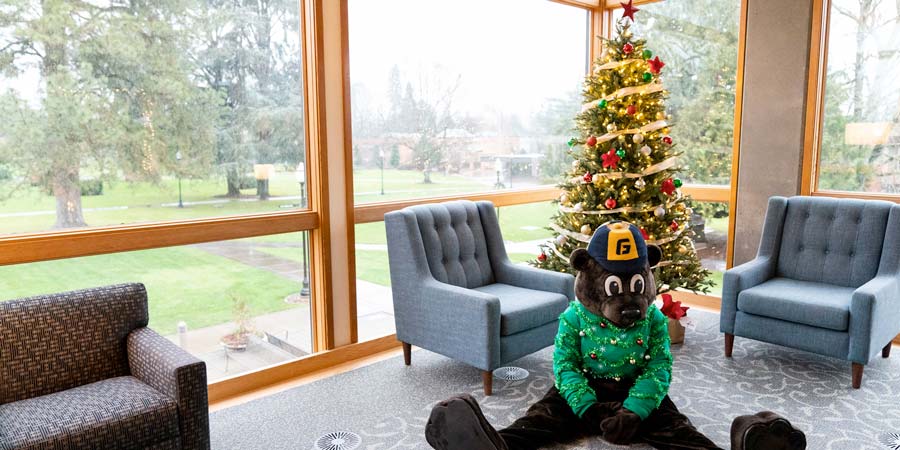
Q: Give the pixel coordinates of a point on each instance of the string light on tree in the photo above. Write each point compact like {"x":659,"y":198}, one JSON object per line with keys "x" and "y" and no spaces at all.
{"x":626,"y":168}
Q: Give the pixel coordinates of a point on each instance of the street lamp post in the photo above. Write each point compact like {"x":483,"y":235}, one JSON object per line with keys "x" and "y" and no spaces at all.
{"x":300,"y":175}
{"x":178,"y":159}
{"x":381,"y":154}
{"x":498,"y":166}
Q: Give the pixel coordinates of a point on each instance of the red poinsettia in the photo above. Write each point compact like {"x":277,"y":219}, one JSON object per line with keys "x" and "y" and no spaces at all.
{"x":673,"y":309}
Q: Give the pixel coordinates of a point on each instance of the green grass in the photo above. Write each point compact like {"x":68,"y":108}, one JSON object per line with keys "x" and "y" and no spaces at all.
{"x":183,"y":283}
{"x":186,"y":283}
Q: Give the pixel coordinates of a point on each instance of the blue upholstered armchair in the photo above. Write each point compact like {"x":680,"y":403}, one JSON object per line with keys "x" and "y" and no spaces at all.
{"x":826,"y":279}
{"x":457,"y":293}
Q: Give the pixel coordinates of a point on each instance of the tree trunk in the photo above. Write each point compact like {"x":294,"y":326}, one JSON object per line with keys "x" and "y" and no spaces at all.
{"x":67,"y":191}
{"x":234,"y":182}
{"x":862,"y":31}
{"x":427,"y":176}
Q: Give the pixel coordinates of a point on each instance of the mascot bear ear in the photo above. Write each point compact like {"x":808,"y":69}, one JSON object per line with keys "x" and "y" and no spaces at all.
{"x":654,"y":255}
{"x":580,"y":260}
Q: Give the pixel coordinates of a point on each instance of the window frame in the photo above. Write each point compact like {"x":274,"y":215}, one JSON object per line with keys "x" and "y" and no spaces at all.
{"x":815,"y":111}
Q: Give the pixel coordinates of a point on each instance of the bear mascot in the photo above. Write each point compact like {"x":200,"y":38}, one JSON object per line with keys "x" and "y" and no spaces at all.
{"x":612,"y":369}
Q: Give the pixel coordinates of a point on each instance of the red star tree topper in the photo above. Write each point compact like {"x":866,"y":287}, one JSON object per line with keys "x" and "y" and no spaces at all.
{"x":628,"y":10}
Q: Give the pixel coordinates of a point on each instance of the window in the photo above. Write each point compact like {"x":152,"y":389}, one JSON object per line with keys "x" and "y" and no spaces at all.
{"x":698,"y":41}
{"x":441,"y":108}
{"x":123,"y":113}
{"x":860,"y":141}
{"x":201,"y":296}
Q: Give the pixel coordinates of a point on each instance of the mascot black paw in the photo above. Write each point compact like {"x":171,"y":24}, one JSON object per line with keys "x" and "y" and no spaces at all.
{"x":612,"y":369}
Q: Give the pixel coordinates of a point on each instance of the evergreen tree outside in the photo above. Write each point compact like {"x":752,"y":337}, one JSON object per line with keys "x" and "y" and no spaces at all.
{"x":625,"y":165}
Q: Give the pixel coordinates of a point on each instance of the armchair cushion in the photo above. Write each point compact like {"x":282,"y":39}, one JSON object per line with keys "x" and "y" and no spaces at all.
{"x":116,"y":413}
{"x":523,"y":309}
{"x":815,"y":304}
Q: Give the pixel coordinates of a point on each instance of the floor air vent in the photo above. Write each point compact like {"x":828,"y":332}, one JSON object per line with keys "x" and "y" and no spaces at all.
{"x":890,"y":440}
{"x":511,"y":373}
{"x":338,"y":440}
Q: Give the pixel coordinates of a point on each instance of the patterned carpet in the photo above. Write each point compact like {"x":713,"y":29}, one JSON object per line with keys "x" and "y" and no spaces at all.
{"x":387,"y":404}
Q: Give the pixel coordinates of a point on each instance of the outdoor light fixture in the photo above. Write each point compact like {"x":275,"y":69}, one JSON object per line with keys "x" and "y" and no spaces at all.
{"x":867,"y":133}
{"x":178,"y":172}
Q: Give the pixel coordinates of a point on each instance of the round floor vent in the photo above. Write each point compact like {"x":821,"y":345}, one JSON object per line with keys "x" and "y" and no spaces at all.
{"x":338,"y":440}
{"x":511,"y":373}
{"x":890,"y":440}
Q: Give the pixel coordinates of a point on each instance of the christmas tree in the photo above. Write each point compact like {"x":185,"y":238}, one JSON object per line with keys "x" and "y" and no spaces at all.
{"x":626,"y":164}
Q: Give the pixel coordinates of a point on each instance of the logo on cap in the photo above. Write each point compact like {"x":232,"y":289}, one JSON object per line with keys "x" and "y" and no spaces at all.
{"x":620,"y":243}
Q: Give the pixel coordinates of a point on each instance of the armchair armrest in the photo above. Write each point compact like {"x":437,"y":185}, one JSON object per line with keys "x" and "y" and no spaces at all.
{"x":456,"y":322}
{"x":178,"y":374}
{"x":535,"y":279}
{"x":874,"y":317}
{"x":740,"y":278}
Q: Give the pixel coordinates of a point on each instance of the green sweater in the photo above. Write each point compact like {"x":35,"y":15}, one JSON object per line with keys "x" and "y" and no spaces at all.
{"x":591,"y":347}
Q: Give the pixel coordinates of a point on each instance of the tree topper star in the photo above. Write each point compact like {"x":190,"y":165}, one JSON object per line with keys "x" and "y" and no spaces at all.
{"x":629,"y":10}
{"x":655,"y":65}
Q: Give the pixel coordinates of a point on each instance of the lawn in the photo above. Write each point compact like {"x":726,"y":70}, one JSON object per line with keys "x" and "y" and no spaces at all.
{"x":187,"y":283}
{"x":183,"y":283}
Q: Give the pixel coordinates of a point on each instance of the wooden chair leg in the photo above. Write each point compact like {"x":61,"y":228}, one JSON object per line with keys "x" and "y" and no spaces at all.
{"x":857,"y":375}
{"x":407,"y":353}
{"x":488,"y":378}
{"x":729,"y":344}
{"x":886,"y":351}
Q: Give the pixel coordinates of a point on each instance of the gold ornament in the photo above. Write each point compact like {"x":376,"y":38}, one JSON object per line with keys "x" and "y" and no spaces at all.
{"x":586,"y":229}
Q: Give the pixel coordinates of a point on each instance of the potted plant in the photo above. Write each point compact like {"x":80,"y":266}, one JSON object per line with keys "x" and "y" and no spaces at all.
{"x":240,"y":337}
{"x":678,"y":319}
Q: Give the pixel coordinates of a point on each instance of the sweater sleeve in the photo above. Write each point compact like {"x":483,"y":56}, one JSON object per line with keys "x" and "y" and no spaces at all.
{"x":570,"y":381}
{"x":652,"y":385}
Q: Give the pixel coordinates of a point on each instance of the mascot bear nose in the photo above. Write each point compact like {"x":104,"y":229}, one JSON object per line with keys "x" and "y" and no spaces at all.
{"x":631,"y":314}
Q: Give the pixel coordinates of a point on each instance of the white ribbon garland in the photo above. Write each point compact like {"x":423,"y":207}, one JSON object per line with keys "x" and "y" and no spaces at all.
{"x":630,"y":209}
{"x":615,"y":64}
{"x":652,"y":126}
{"x":624,"y":92}
{"x":587,"y":239}
{"x":656,"y":168}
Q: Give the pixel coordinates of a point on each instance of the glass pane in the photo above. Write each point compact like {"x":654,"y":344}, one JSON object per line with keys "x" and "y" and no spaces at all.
{"x":148,"y":111}
{"x":200,"y":296}
{"x":523,"y":227}
{"x":436,"y":111}
{"x":709,"y":222}
{"x":698,"y":41}
{"x":861,"y":133}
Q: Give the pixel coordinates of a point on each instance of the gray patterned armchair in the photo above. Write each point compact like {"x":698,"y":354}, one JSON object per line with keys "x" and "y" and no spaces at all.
{"x":456,"y":292}
{"x":81,"y":370}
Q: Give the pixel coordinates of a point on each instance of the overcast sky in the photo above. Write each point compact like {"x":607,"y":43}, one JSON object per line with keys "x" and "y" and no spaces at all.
{"x":512,"y":54}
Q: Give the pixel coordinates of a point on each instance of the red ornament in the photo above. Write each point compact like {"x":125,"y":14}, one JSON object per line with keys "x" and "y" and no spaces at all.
{"x":640,"y":341}
{"x":542,"y":257}
{"x":673,"y":310}
{"x":631,"y":110}
{"x":628,"y":10}
{"x":667,"y":140}
{"x":602,"y":324}
{"x":610,"y":159}
{"x":591,"y":141}
{"x":588,"y":177}
{"x":668,"y":186}
{"x":593,"y":355}
{"x":627,"y":48}
{"x":655,"y":65}
{"x":644,"y":234}
{"x":674,"y":226}
{"x":610,"y":203}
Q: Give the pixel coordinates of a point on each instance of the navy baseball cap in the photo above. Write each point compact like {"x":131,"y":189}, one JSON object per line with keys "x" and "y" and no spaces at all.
{"x":619,"y":247}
